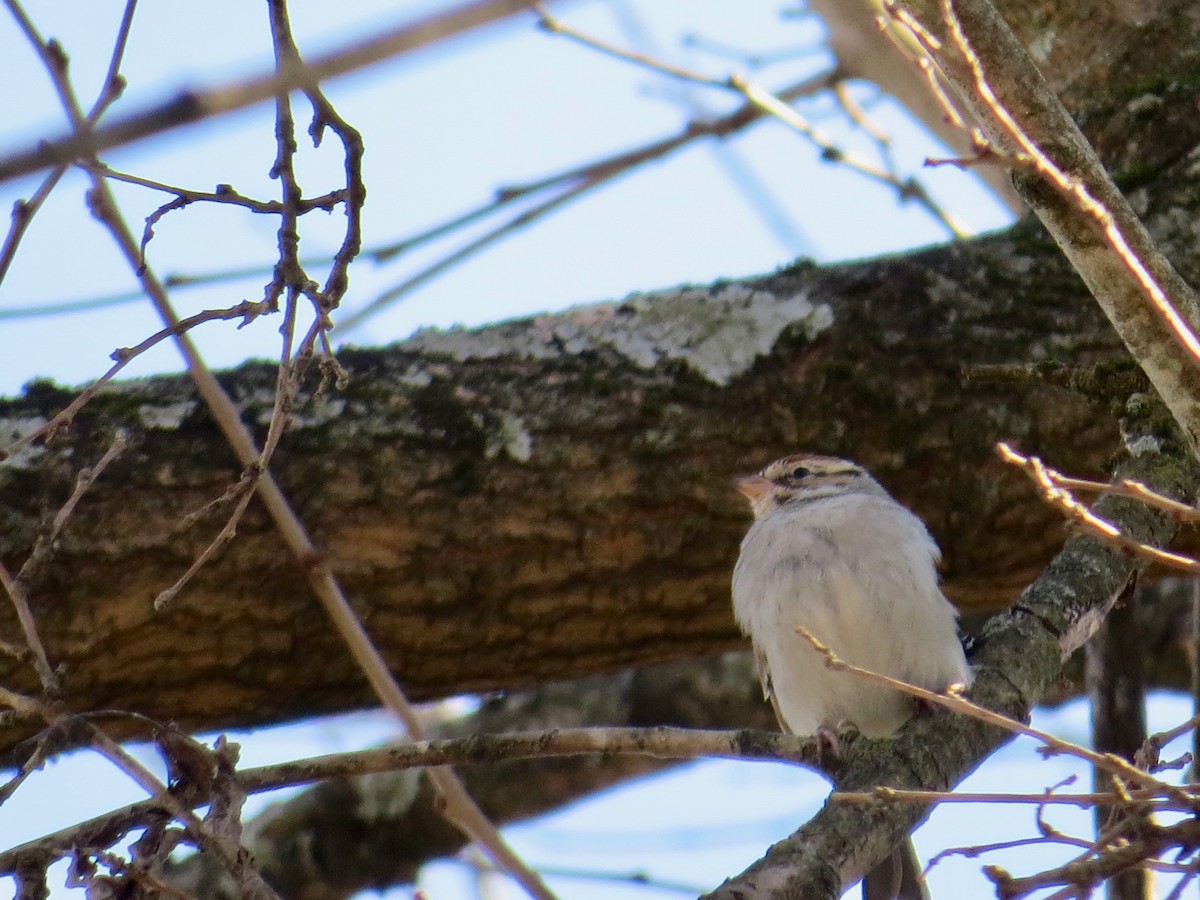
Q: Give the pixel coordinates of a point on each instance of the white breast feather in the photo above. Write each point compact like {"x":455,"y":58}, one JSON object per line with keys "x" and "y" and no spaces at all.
{"x":859,"y":573}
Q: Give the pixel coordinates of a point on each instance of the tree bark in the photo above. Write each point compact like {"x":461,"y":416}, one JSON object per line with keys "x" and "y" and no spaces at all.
{"x":1116,"y":689}
{"x":550,"y":498}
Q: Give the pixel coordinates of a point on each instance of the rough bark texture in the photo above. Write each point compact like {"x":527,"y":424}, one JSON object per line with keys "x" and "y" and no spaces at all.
{"x":550,"y":498}
{"x":1116,"y":688}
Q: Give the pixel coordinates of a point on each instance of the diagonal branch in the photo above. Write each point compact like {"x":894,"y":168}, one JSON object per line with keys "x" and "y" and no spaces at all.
{"x":1016,"y":659}
{"x":1062,"y":179}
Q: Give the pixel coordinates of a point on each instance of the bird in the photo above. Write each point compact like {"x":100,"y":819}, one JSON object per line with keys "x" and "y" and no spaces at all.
{"x":831,"y":551}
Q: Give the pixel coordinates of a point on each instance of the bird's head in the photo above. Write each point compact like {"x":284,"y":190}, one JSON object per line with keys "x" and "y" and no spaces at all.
{"x":803,"y":478}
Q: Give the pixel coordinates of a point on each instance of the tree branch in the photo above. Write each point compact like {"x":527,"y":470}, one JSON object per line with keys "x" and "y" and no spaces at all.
{"x":549,"y":498}
{"x":300,"y":843}
{"x":195,"y":106}
{"x":1016,"y":658}
{"x":1064,"y":182}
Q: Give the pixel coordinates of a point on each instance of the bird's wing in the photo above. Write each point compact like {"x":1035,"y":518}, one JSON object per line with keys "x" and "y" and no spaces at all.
{"x":764,"y":676}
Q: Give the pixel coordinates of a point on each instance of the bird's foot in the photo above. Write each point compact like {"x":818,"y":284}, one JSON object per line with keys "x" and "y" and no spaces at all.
{"x":830,"y":739}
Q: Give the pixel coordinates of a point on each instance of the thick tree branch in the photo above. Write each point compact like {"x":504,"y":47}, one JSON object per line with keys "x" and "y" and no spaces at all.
{"x":549,"y":498}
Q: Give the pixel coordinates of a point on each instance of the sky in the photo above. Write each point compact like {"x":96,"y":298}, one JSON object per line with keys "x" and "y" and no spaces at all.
{"x":445,"y":128}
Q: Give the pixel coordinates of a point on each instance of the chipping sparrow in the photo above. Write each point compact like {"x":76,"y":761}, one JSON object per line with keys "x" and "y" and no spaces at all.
{"x":831,"y":551}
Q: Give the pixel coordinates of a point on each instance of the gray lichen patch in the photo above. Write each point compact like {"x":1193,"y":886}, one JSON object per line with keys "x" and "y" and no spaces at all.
{"x":718,"y":332}
{"x":167,"y":416}
{"x":318,"y":412}
{"x":510,"y":437}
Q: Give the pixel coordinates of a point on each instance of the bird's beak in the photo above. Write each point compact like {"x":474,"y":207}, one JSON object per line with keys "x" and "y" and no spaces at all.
{"x":753,"y":487}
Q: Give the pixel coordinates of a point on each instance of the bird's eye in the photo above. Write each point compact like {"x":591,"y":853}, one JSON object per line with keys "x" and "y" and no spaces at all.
{"x":800,"y":472}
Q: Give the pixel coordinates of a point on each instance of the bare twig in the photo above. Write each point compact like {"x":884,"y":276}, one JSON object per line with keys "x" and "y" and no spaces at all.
{"x":1053,"y":486}
{"x":243,"y":489}
{"x":1079,"y":876}
{"x":24,"y":211}
{"x":228,"y":851}
{"x":665,"y":743}
{"x":245,"y":310}
{"x":157,"y":887}
{"x":588,"y":176}
{"x":223,"y":193}
{"x":527,"y":217}
{"x":20,"y":601}
{"x":771,"y":104}
{"x":195,"y":106}
{"x":288,"y":277}
{"x":44,"y":545}
{"x":953,"y":699}
{"x":636,"y":879}
{"x":1084,"y":801}
{"x":977,"y":850}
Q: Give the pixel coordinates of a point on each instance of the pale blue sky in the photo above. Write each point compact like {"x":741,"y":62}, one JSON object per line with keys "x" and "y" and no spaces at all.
{"x":444,"y":128}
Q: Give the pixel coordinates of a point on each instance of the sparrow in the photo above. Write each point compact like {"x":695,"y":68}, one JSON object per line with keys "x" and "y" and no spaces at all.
{"x":830,"y":551}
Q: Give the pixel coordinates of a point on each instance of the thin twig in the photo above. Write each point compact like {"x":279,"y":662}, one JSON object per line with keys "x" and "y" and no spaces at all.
{"x":1053,"y":488}
{"x":1080,"y":875}
{"x":661,"y":742}
{"x":157,"y":887}
{"x":24,"y":210}
{"x":246,"y":310}
{"x":224,"y":411}
{"x":978,"y":850}
{"x":771,"y":104}
{"x":522,"y":219}
{"x":223,"y":193}
{"x":953,"y":699}
{"x":1085,"y":801}
{"x":593,"y":173}
{"x":20,"y":601}
{"x":161,"y":798}
{"x":244,"y":490}
{"x":629,"y":879}
{"x":195,"y":106}
{"x":44,"y":545}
